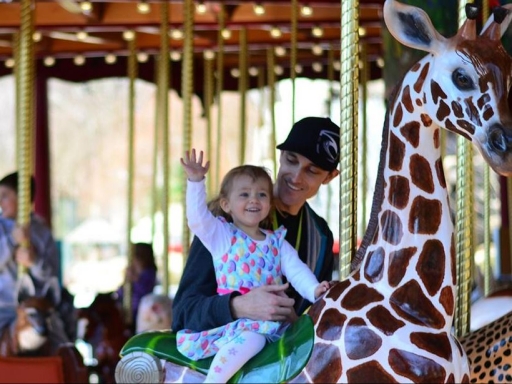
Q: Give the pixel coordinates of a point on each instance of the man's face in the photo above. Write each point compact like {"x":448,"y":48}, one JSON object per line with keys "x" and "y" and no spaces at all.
{"x":8,"y":202}
{"x":299,"y":179}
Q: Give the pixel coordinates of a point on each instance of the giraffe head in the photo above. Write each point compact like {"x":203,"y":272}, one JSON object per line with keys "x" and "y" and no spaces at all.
{"x":465,"y":82}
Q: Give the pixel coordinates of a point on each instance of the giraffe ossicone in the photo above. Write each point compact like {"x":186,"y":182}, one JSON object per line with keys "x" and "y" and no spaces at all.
{"x":391,"y":319}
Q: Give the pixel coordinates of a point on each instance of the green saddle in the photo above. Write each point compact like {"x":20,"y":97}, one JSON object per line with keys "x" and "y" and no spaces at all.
{"x":278,"y":362}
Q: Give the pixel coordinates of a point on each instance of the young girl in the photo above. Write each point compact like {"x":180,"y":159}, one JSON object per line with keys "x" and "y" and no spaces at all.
{"x":245,"y":256}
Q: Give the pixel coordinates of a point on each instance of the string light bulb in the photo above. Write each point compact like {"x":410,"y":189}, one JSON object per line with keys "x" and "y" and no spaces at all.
{"x":280,"y":51}
{"x":317,"y":31}
{"x":9,"y":63}
{"x":142,"y":57}
{"x":201,"y":8}
{"x":110,"y":58}
{"x":275,"y":32}
{"x":226,"y":33}
{"x":317,"y":49}
{"x":143,"y":7}
{"x":37,"y":36}
{"x":278,"y":70}
{"x":49,"y":61}
{"x":129,"y":35}
{"x":336,"y":65}
{"x":175,"y":56}
{"x":306,"y":10}
{"x":317,"y":67}
{"x":235,"y":72}
{"x":380,"y":62}
{"x":298,"y":68}
{"x":259,"y":9}
{"x":86,"y":6}
{"x":253,"y":71}
{"x":82,"y":35}
{"x":79,"y":60}
{"x":177,"y":34}
{"x":208,"y":54}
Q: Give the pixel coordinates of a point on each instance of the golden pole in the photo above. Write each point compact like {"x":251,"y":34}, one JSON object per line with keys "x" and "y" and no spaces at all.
{"x":187,"y":79}
{"x":25,"y":74}
{"x":208,"y":101}
{"x":156,"y":150}
{"x":132,"y":76}
{"x":364,"y":134}
{"x":293,"y":52}
{"x":271,"y":79}
{"x":349,"y":82}
{"x":164,"y":120}
{"x":242,"y":90}
{"x":220,"y":84}
{"x":463,"y":231}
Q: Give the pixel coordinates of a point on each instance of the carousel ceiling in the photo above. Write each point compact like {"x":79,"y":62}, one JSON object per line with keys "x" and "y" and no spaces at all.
{"x":82,"y":40}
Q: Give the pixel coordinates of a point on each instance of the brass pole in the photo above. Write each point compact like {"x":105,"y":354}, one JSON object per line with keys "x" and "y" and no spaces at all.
{"x":208,"y":101}
{"x":463,"y":232}
{"x":187,"y":85}
{"x":156,"y":150}
{"x":293,"y":53}
{"x":364,"y":135}
{"x":25,"y":74}
{"x":349,"y":82}
{"x":242,"y":90}
{"x":330,"y":78}
{"x":271,"y":79}
{"x":132,"y":76}
{"x":164,"y":120}
{"x":220,"y":85}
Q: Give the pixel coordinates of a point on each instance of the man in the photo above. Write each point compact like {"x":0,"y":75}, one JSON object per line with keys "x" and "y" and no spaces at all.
{"x":309,"y":157}
{"x":40,"y":260}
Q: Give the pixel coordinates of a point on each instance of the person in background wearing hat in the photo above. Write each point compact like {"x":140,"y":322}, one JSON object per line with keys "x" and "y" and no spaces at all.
{"x":309,"y":158}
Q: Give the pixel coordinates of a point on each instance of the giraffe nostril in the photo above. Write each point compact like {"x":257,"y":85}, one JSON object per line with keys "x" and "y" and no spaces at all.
{"x":498,"y":140}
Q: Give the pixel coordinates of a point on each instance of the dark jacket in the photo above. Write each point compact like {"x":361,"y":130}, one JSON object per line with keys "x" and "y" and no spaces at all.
{"x":197,"y":305}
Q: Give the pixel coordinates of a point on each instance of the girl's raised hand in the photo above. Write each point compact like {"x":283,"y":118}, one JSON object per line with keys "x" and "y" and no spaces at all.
{"x":193,"y":165}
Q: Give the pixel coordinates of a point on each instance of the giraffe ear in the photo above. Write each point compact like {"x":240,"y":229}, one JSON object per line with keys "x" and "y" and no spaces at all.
{"x":504,"y":24}
{"x":412,"y":27}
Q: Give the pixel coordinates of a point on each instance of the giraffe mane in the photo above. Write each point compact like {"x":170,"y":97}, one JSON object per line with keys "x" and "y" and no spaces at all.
{"x":378,"y":194}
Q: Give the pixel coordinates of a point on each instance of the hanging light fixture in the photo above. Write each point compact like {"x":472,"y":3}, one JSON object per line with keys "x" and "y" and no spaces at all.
{"x":49,"y":61}
{"x":306,"y":10}
{"x":259,"y":9}
{"x":143,"y":7}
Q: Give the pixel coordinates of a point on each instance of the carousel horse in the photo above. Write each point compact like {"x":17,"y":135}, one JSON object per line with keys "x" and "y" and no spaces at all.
{"x":391,"y":319}
{"x":106,"y":331}
{"x":38,"y":329}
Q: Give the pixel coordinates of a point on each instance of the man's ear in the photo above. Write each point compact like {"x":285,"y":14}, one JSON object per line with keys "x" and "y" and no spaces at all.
{"x":331,"y":175}
{"x":224,"y":205}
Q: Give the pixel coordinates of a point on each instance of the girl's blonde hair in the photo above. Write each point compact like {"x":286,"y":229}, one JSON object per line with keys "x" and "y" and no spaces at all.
{"x":255,"y":173}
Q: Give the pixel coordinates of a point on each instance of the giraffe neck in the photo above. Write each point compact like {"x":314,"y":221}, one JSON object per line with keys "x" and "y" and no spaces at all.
{"x":411,"y":256}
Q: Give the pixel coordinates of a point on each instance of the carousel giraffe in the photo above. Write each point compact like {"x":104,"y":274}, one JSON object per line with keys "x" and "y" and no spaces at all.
{"x":391,"y":319}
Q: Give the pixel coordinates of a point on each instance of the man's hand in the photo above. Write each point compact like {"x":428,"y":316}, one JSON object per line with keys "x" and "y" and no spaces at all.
{"x":268,"y":302}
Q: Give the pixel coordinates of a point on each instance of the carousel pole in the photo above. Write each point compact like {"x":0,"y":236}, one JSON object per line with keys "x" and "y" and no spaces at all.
{"x":132,"y":76}
{"x":156,"y":150}
{"x":271,"y":80}
{"x":364,"y":135}
{"x":349,"y":83}
{"x":242,"y":90}
{"x":208,"y":101}
{"x":293,"y":53}
{"x":220,"y":85}
{"x":164,"y":121}
{"x":187,"y":71}
{"x":25,"y":74}
{"x":463,"y":248}
{"x":487,"y":202}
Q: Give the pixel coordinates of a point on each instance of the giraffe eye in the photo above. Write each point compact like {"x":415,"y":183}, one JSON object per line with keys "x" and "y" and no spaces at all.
{"x":462,"y":80}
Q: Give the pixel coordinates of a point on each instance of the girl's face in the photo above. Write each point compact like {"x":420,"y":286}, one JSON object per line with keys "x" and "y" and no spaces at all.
{"x":248,"y":202}
{"x":8,"y":202}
